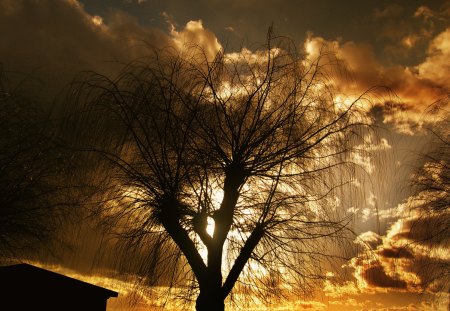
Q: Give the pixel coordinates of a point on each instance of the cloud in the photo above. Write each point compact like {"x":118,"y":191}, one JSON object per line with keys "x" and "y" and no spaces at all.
{"x":310,"y":305}
{"x":369,"y":238}
{"x":393,"y":213}
{"x":340,"y":290}
{"x":436,"y":66}
{"x":390,"y":10}
{"x":416,"y":246}
{"x":424,"y":12}
{"x":195,"y":35}
{"x":405,"y":34}
{"x":392,"y":21}
{"x":349,"y":302}
{"x":408,"y":257}
{"x":137,"y":1}
{"x":413,"y":253}
{"x":410,"y":89}
{"x":56,"y":39}
{"x":395,"y":253}
{"x":376,"y":276}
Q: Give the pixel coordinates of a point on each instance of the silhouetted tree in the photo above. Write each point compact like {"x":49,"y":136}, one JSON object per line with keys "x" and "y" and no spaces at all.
{"x":429,"y":225}
{"x":224,"y":165}
{"x":30,"y":163}
{"x":434,"y":176}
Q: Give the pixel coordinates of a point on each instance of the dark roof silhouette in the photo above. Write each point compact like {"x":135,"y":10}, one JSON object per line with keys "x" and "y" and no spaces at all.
{"x":30,"y":286}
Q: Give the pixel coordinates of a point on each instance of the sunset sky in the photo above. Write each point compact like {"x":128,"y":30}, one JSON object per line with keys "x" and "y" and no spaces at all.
{"x":401,"y":44}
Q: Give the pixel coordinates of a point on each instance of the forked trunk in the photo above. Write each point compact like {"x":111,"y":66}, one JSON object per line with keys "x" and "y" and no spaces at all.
{"x":208,"y":301}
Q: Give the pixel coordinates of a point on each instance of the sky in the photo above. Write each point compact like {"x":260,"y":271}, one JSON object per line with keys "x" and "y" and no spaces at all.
{"x":403,"y":45}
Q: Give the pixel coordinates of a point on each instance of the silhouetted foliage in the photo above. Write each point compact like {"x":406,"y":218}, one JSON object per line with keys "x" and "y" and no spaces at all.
{"x":434,"y":176}
{"x":430,"y":207}
{"x":254,"y":143}
{"x":30,"y":166}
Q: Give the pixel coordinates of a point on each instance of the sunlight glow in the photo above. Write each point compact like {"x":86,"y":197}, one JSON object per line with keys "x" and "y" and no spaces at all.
{"x":97,"y":20}
{"x":216,"y":197}
{"x":210,"y":226}
{"x":343,"y":102}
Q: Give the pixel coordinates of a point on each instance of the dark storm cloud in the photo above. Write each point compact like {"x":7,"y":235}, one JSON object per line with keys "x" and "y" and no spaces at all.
{"x":395,"y":252}
{"x":52,"y":40}
{"x":377,"y":277}
{"x":391,"y":10}
{"x":55,"y":39}
{"x":382,"y":24}
{"x":426,"y":229}
{"x":413,"y":255}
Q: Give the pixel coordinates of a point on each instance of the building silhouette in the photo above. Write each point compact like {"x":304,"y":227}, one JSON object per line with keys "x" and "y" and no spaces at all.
{"x":27,"y":287}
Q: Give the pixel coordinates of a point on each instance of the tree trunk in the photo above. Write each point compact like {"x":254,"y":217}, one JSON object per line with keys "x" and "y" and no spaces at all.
{"x":209,"y":301}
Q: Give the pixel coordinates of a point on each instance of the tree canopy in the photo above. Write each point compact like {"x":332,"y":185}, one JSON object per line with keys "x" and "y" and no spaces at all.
{"x":31,"y":163}
{"x":221,"y":172}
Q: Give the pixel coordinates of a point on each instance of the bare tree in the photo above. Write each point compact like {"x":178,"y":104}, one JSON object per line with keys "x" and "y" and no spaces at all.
{"x":31,"y":164}
{"x":224,"y":165}
{"x":434,"y":176}
{"x":430,"y":222}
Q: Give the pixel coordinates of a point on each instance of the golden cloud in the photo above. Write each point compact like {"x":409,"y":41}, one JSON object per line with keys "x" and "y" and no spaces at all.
{"x":410,"y":257}
{"x":436,"y":66}
{"x":195,"y":35}
{"x":65,"y":39}
{"x":334,"y":290}
{"x":424,"y":12}
{"x":369,"y":239}
{"x":56,"y":39}
{"x":409,"y":90}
